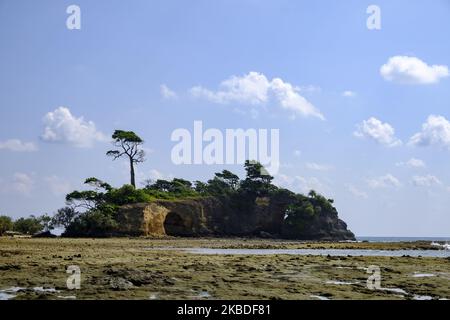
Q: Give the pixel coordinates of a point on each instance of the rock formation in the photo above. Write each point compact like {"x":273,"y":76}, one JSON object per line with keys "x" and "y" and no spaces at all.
{"x":210,"y":216}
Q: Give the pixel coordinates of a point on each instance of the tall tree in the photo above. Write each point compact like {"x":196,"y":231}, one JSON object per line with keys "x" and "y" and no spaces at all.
{"x":258,"y":180}
{"x":129,"y":144}
{"x":230,"y":178}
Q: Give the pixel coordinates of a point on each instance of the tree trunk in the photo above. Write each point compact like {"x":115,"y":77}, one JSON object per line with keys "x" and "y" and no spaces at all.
{"x":133,"y":182}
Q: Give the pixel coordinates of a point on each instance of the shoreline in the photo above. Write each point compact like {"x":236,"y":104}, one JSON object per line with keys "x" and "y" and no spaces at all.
{"x":122,"y":268}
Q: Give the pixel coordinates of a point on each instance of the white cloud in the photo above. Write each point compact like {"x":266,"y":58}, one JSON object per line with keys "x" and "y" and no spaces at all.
{"x":412,"y":70}
{"x":62,"y":126}
{"x":301,"y":184}
{"x":312,"y":183}
{"x":289,"y":99}
{"x":167,"y":93}
{"x":17,"y":145}
{"x":425,"y":181}
{"x":412,"y":163}
{"x":249,"y":89}
{"x":435,"y":131}
{"x":58,"y":186}
{"x":155,"y":175}
{"x":22,"y":183}
{"x":386,"y":181}
{"x":383,"y":133}
{"x":357,"y":193}
{"x":348,"y":94}
{"x":309,"y":89}
{"x":283,"y":180}
{"x":318,"y":167}
{"x":255,"y":89}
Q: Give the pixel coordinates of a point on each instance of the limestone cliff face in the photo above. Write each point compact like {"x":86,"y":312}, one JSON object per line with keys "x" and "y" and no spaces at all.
{"x":209,"y":216}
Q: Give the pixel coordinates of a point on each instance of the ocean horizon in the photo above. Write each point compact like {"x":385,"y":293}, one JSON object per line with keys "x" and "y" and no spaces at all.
{"x":400,"y":239}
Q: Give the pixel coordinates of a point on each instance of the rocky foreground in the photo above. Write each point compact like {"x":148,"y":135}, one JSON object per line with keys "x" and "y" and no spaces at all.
{"x":140,"y":268}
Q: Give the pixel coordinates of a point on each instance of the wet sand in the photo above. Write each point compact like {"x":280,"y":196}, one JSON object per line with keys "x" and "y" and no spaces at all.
{"x":142,"y":268}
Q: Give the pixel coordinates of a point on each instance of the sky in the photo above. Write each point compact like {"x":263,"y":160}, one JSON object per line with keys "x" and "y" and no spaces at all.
{"x":362,"y":112}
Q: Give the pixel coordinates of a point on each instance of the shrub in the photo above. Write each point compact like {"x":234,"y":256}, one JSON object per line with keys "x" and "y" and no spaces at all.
{"x":93,"y":224}
{"x":6,"y":224}
{"x":29,"y":225}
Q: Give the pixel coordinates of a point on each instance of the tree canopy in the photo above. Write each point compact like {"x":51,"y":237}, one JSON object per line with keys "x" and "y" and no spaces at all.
{"x":129,"y":145}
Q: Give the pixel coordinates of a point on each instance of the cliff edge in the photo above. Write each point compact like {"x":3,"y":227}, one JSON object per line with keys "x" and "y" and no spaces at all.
{"x":211,"y":216}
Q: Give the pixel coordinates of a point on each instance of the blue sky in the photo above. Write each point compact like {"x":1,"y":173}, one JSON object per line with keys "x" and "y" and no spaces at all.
{"x":382,"y":149}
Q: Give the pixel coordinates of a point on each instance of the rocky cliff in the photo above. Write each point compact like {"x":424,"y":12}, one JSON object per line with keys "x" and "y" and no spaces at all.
{"x":211,"y":216}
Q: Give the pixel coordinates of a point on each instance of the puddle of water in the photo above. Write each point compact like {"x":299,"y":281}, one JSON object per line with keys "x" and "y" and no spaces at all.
{"x":67,"y":297}
{"x":423,"y":275}
{"x":316,"y":252}
{"x":45,"y":290}
{"x":396,"y":290}
{"x":204,"y":294}
{"x":6,"y":296}
{"x":417,"y":297}
{"x":10,"y":293}
{"x":340,"y":282}
{"x":319,"y":297}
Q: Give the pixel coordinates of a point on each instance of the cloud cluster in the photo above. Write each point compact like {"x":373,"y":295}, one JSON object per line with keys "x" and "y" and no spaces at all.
{"x":301,"y":184}
{"x":412,"y":163}
{"x":61,"y":126}
{"x":374,"y":129}
{"x":386,"y":181}
{"x":167,"y":93}
{"x":412,"y":70}
{"x":425,"y":181}
{"x":155,"y":175}
{"x":435,"y":131}
{"x":255,"y":89}
{"x":357,"y":193}
{"x":58,"y":186}
{"x":348,"y":94}
{"x":23,"y":183}
{"x":17,"y":145}
{"x":318,"y":166}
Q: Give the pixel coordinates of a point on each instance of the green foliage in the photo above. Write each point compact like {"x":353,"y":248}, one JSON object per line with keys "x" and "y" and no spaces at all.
{"x":93,"y":223}
{"x":128,"y":144}
{"x":87,"y":199}
{"x":46,"y":222}
{"x":218,"y":187}
{"x":179,"y":188}
{"x":30,"y":225}
{"x":241,"y":196}
{"x":125,"y":195}
{"x":303,"y":210}
{"x":64,"y":217}
{"x":229,"y":178}
{"x":200,"y":187}
{"x":257,"y":181}
{"x":6,"y":224}
{"x":98,"y":184}
{"x":160,"y":185}
{"x":126,"y":136}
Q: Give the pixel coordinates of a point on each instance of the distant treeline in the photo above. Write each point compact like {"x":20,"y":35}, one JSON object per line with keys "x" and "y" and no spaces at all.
{"x":30,"y":225}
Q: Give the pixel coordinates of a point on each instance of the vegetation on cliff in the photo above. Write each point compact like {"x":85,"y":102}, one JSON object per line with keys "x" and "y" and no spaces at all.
{"x":94,"y":212}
